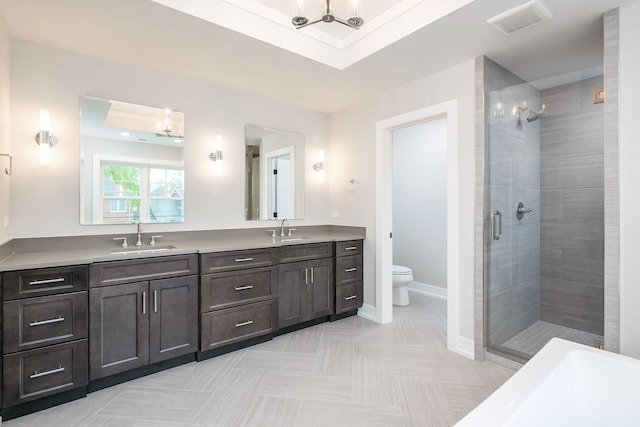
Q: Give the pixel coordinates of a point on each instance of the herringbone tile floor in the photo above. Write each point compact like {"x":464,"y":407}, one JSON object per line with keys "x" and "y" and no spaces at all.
{"x":352,"y":372}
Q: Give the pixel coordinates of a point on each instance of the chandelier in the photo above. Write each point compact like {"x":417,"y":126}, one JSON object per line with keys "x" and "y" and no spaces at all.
{"x":355,"y":21}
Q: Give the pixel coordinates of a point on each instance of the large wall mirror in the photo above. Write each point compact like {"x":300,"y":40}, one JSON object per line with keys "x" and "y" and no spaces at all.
{"x":274,"y":174}
{"x":131,"y":163}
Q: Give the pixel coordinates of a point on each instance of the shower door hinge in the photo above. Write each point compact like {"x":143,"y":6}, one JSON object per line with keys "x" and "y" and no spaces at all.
{"x":598,"y":96}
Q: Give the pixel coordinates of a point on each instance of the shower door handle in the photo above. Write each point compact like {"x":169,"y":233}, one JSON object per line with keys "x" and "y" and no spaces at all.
{"x":496,"y":224}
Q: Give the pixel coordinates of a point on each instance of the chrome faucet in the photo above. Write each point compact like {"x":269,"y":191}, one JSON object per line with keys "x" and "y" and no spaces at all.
{"x":284,"y":221}
{"x":139,"y":232}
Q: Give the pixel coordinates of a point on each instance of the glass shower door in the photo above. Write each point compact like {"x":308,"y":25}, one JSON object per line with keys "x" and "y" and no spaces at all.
{"x":513,"y":291}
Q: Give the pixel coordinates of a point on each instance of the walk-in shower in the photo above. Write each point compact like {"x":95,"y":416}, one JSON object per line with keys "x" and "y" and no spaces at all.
{"x":545,"y":180}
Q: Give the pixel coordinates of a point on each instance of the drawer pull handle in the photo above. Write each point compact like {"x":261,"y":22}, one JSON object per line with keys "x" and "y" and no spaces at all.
{"x":350,"y":270}
{"x":248,"y":322}
{"x":46,"y":322}
{"x":244,"y":259}
{"x":243,"y":288}
{"x":350,"y":298}
{"x":47,"y":281}
{"x":37,"y":374}
{"x":350,"y":248}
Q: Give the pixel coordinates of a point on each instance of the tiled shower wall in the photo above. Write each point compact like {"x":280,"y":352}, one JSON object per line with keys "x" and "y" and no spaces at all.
{"x":572,"y":198}
{"x":514,"y":176}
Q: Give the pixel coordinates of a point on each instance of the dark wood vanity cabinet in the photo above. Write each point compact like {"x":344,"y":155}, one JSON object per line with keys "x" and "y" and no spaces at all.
{"x":349,"y":284}
{"x":45,"y":331}
{"x":139,"y":323}
{"x":238,"y":299}
{"x":119,"y":329}
{"x":306,"y":289}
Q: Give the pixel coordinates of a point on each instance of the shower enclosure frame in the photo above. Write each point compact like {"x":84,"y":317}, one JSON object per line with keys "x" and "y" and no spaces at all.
{"x":482,"y":225}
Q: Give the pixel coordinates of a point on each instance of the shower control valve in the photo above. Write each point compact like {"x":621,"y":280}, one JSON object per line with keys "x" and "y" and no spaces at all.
{"x":521,"y":210}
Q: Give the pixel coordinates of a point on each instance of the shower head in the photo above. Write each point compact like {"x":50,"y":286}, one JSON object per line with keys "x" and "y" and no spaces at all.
{"x":533,"y":116}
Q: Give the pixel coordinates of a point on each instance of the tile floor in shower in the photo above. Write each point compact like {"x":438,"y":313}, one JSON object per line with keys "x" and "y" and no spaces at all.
{"x":532,"y":339}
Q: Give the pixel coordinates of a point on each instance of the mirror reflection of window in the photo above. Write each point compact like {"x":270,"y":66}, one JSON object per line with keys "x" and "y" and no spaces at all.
{"x":140,"y":193}
{"x":132,"y":163}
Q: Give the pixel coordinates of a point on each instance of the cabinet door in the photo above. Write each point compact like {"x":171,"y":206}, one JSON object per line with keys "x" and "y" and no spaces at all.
{"x":118,"y":329}
{"x":173,"y":310}
{"x":321,"y":289}
{"x":292,"y":293}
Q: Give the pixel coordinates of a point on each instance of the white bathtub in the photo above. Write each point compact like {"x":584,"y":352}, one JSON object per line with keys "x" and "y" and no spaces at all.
{"x":565,"y":384}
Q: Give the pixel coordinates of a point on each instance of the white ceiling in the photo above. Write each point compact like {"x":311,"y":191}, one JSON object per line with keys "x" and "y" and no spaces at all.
{"x":411,"y":39}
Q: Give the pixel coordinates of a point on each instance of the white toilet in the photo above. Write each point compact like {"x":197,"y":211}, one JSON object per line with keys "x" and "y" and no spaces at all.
{"x":402,"y":276}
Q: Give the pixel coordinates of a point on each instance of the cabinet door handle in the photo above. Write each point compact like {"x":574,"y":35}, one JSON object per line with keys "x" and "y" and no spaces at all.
{"x":46,"y":322}
{"x":37,"y":374}
{"x":243,"y":288}
{"x":350,"y":270}
{"x":312,"y":275}
{"x":350,"y":298}
{"x":47,"y":281}
{"x":144,"y":302}
{"x":248,"y":322}
{"x":155,"y":300}
{"x":244,"y":259}
{"x":306,"y":276}
{"x":351,"y":248}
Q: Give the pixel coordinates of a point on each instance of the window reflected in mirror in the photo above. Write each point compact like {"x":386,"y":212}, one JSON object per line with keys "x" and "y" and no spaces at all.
{"x":132,"y":163}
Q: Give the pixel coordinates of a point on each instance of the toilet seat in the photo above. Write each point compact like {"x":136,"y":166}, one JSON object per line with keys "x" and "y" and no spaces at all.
{"x":401,"y":270}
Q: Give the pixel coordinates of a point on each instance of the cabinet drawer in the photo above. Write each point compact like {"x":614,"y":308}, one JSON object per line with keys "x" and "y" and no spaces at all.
{"x":142,"y":269}
{"x":348,"y":269}
{"x":224,"y":289}
{"x":222,"y":327}
{"x":35,"y":322}
{"x":305,"y":252}
{"x":45,"y":281}
{"x":226,"y":261}
{"x":350,"y":247}
{"x":348,"y":297}
{"x":33,"y":374}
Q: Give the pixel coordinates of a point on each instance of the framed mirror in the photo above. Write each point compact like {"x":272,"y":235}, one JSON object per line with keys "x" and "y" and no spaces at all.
{"x":131,"y":163}
{"x":274,"y":187}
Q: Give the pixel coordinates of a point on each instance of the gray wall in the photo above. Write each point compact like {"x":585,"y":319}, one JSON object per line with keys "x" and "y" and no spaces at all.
{"x":572,"y":192}
{"x":514,"y":176}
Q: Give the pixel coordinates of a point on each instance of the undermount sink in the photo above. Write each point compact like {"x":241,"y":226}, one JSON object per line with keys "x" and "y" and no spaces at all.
{"x":287,"y":239}
{"x":143,"y":250}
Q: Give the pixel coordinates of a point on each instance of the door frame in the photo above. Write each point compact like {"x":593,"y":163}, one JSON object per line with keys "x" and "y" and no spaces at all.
{"x":265,"y":172}
{"x":384,"y":244}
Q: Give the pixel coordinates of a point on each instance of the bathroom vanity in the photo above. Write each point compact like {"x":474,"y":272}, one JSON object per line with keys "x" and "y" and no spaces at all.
{"x":84,"y":319}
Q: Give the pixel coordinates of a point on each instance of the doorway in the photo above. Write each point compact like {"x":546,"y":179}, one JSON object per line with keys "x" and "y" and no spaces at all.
{"x":383,"y":234}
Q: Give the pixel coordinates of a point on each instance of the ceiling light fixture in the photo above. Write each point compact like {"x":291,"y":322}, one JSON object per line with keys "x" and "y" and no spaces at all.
{"x":355,"y":21}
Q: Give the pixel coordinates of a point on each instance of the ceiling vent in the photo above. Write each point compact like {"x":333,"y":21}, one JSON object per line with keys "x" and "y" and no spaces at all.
{"x":524,"y":16}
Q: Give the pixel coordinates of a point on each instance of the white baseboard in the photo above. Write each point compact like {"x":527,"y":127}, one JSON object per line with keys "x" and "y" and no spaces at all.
{"x":428,"y":290}
{"x":465,"y":347}
{"x":368,"y":312}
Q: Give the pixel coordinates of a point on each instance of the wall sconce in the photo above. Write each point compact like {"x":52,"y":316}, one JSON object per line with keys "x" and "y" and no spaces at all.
{"x":216,"y":157}
{"x":45,"y":138}
{"x":8,"y":171}
{"x":319,"y":166}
